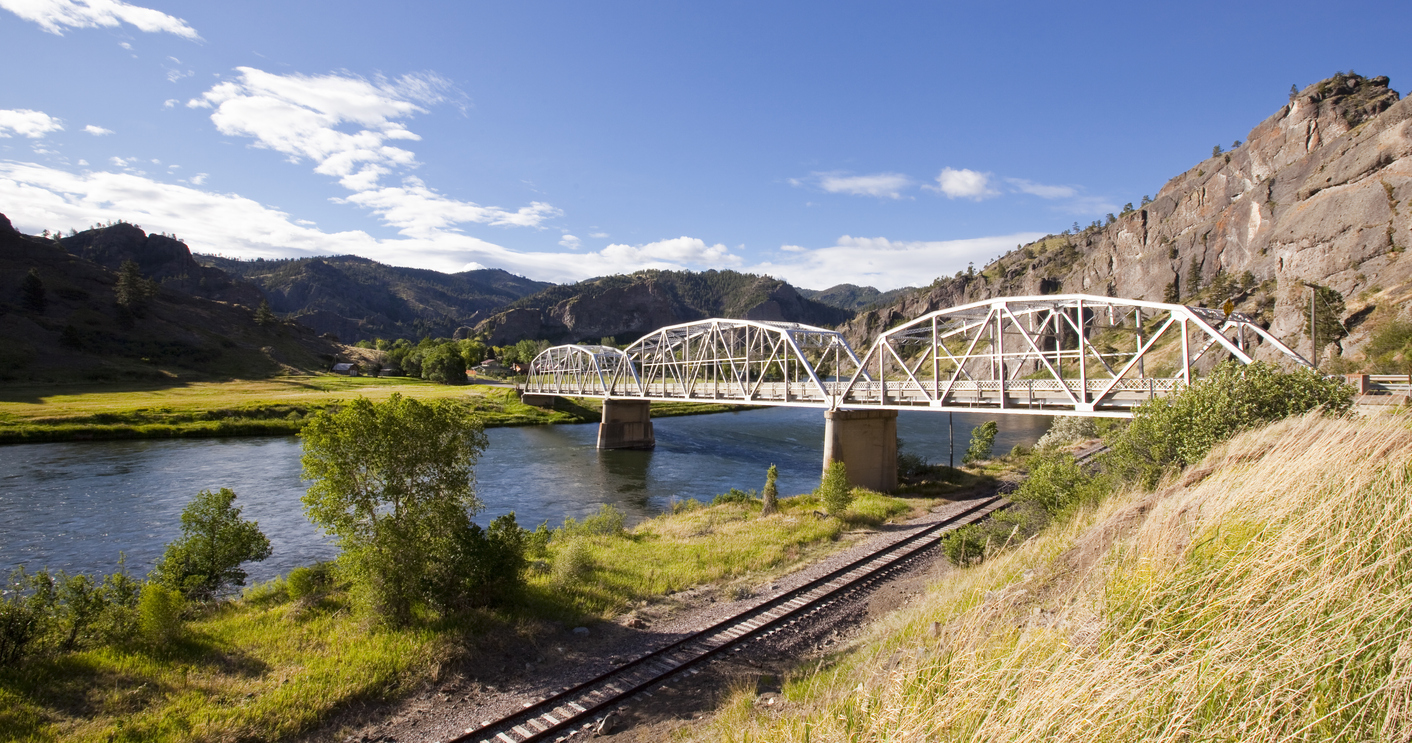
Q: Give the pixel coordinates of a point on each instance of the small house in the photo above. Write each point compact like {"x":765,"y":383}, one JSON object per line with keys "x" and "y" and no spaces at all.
{"x":348,"y":369}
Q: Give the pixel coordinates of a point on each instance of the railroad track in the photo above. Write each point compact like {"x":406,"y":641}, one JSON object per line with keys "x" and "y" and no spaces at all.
{"x":577,"y":707}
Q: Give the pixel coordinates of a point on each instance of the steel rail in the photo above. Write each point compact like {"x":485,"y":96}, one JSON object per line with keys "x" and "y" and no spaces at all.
{"x":560,"y":713}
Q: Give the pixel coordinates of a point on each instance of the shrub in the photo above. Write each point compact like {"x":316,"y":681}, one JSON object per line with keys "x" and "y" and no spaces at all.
{"x":573,"y":564}
{"x":26,"y":612}
{"x":310,"y":580}
{"x":214,"y":542}
{"x":982,"y":439}
{"x":608,"y":522}
{"x":965,"y":546}
{"x":1068,"y":429}
{"x":835,"y":492}
{"x":159,"y":613}
{"x":1169,"y":433}
{"x":1057,"y":483}
{"x":734,"y":495}
{"x":910,"y":465}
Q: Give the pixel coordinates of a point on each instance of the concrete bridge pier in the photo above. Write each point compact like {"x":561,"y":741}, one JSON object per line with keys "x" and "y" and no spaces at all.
{"x":626,"y":424}
{"x":866,"y":442}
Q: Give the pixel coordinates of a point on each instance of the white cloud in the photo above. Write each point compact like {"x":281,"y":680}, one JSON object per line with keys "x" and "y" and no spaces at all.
{"x":198,"y":179}
{"x":27,"y":123}
{"x":674,"y":253}
{"x":56,"y":15}
{"x":1041,"y":190}
{"x":170,"y":103}
{"x":964,"y":184}
{"x":880,"y":185}
{"x":570,"y":242}
{"x":886,"y":264}
{"x":125,"y":45}
{"x":121,"y":163}
{"x":97,"y":131}
{"x":173,"y":75}
{"x":599,"y":235}
{"x":793,"y":249}
{"x":345,"y":124}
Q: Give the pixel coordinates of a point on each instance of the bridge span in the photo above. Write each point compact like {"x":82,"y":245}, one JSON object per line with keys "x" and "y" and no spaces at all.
{"x":1068,"y":354}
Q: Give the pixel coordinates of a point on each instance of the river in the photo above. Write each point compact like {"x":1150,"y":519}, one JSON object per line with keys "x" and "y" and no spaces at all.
{"x":76,"y":506}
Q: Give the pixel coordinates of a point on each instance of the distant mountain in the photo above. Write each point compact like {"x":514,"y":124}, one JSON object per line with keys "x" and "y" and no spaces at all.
{"x":854,"y":297}
{"x":626,"y":307}
{"x":70,"y":326}
{"x":359,"y":299}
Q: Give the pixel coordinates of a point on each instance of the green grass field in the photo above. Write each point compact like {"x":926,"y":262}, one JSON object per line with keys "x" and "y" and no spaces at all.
{"x":266,"y":407}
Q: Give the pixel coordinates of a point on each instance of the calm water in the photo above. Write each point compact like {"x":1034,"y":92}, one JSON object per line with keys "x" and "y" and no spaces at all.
{"x":75,"y":506}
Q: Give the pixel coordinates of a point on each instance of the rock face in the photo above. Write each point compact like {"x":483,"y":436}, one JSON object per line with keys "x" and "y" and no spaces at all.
{"x":163,"y":259}
{"x":1320,"y":192}
{"x":627,"y":307}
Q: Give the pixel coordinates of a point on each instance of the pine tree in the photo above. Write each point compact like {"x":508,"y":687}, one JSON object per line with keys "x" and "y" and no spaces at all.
{"x":132,"y":290}
{"x":264,"y":316}
{"x":32,"y":291}
{"x":835,"y":492}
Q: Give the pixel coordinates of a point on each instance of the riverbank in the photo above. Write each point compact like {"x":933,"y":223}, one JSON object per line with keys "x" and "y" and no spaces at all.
{"x":270,"y":667}
{"x":270,"y":407}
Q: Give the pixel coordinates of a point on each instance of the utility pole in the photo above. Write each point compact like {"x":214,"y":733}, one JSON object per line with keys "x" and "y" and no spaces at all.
{"x":950,"y":441}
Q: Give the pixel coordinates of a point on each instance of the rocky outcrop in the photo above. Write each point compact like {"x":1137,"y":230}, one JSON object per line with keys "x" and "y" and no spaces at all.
{"x":1320,"y":192}
{"x":627,"y":307}
{"x":163,"y":259}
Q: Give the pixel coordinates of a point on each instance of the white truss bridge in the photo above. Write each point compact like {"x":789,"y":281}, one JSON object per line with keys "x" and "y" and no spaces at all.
{"x":1069,"y":354}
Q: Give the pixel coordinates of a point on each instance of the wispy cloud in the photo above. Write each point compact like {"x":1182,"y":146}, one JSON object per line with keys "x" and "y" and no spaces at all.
{"x":56,"y":15}
{"x":97,"y":131}
{"x":964,"y":184}
{"x":1041,"y":190}
{"x":27,"y":123}
{"x":879,"y":185}
{"x":570,"y":242}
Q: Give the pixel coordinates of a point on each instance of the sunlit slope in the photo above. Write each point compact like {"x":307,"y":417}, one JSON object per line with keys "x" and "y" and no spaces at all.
{"x":1265,"y":595}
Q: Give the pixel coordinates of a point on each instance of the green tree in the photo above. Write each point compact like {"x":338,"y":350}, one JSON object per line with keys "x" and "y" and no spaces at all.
{"x":444,"y":364}
{"x":132,"y":290}
{"x":214,"y":543}
{"x":1216,"y":150}
{"x":835,"y":492}
{"x":982,"y":440}
{"x":393,"y":483}
{"x":1193,"y":277}
{"x":264,"y":316}
{"x":770,"y":495}
{"x":32,"y":291}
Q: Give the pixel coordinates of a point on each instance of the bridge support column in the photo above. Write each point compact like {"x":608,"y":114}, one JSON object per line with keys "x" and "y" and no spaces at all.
{"x":538,"y":401}
{"x":866,"y":442}
{"x":627,"y":424}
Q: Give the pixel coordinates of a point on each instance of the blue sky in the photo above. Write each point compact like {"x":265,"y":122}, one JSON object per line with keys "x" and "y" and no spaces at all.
{"x":871,"y":143}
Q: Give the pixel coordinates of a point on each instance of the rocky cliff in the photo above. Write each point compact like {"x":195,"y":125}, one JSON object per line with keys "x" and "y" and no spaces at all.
{"x":1320,"y":192}
{"x":627,"y":307}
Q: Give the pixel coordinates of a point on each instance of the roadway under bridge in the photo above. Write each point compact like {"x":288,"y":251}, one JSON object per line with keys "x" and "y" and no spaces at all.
{"x":1068,"y":354}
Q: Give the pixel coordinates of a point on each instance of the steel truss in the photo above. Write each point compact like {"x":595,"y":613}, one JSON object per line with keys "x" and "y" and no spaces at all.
{"x":1068,"y":353}
{"x":1064,"y":354}
{"x":768,"y":363}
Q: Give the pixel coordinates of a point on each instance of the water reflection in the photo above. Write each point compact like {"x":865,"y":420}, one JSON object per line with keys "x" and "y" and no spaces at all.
{"x":75,"y":506}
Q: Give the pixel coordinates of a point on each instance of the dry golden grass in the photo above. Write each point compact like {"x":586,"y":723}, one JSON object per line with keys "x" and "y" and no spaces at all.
{"x":1264,"y":595}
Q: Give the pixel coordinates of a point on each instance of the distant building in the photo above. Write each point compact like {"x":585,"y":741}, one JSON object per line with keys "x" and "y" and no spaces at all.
{"x":349,"y":369}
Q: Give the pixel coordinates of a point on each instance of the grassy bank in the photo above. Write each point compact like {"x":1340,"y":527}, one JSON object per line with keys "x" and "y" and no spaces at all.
{"x":265,"y":667}
{"x":266,"y":407}
{"x":1263,"y":594}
